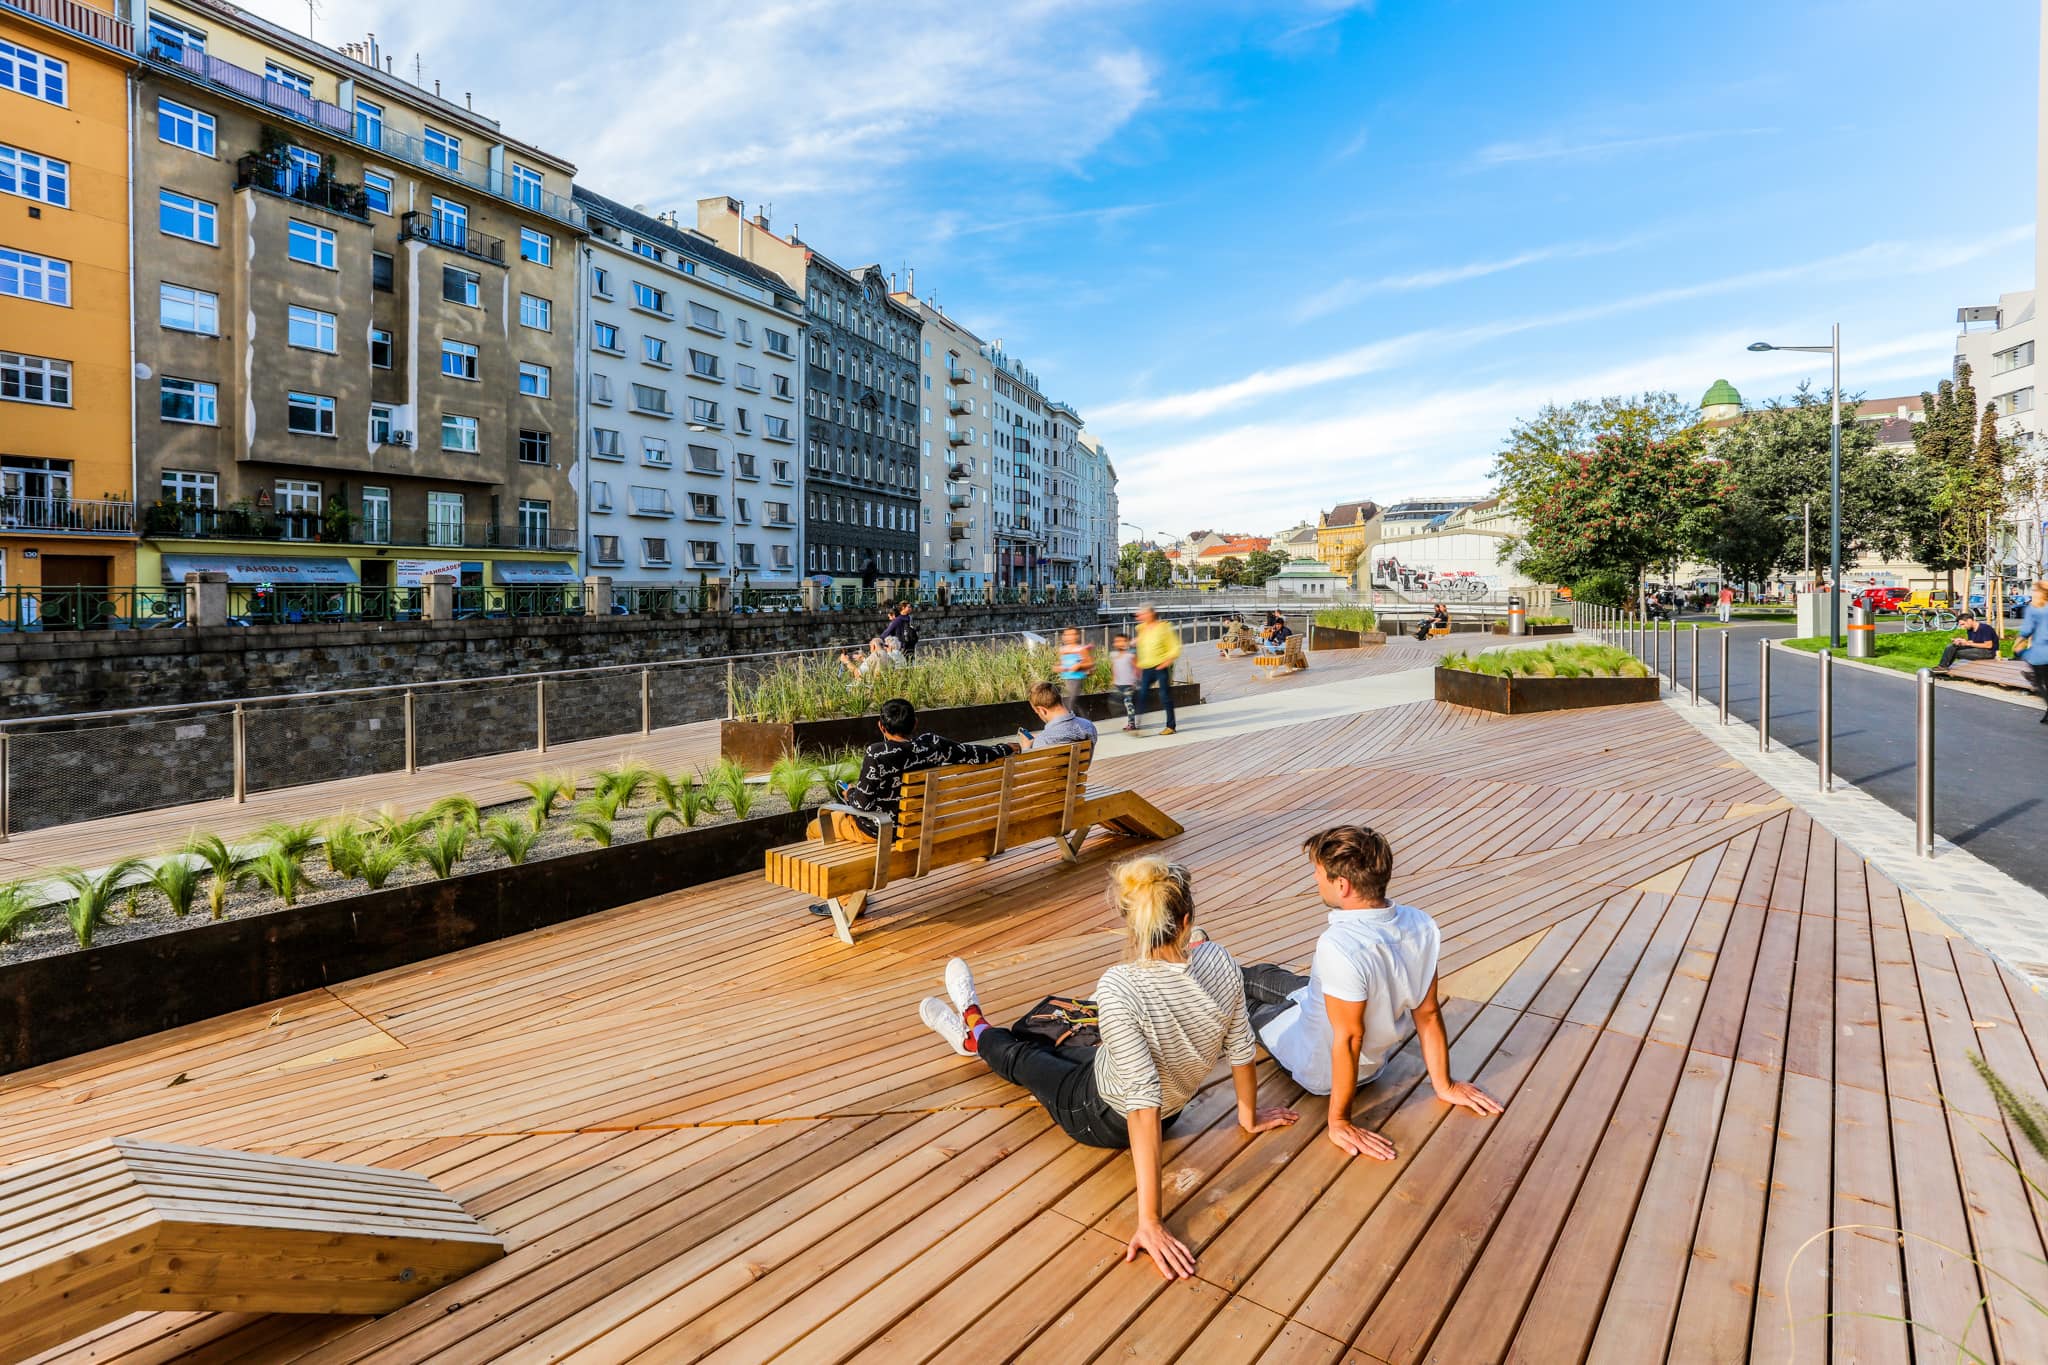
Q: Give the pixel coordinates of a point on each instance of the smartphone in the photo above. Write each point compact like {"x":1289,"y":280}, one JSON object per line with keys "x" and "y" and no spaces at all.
{"x":1024,"y":734}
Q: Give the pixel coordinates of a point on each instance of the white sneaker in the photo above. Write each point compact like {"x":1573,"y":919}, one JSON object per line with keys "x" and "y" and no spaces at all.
{"x":960,"y":985}
{"x":942,"y":1019}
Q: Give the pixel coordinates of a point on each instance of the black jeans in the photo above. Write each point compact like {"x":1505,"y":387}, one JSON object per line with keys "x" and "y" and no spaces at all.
{"x":1267,"y":988}
{"x":1950,"y":653}
{"x":2037,"y":675}
{"x":1060,"y":1078}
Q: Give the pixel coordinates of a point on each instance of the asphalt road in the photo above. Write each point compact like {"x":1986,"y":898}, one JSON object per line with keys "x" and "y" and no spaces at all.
{"x":1991,"y":757}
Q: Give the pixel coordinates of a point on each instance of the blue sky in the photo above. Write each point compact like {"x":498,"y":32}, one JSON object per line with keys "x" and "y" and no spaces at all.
{"x":1283,"y":254}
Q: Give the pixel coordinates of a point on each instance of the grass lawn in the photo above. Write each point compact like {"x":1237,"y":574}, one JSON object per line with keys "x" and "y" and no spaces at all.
{"x":1899,"y":651}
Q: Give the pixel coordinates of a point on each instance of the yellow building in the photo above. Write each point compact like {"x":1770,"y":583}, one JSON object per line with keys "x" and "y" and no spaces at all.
{"x":1343,"y":532}
{"x":67,"y":495}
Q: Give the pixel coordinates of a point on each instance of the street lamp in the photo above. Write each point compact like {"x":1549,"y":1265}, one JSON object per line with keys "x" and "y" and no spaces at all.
{"x":1834,"y":349}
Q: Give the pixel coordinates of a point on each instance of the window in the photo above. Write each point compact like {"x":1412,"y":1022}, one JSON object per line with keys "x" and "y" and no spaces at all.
{"x":778,"y":342}
{"x":188,"y":310}
{"x":605,"y":550}
{"x":782,"y":389}
{"x":601,"y":390}
{"x":377,"y":190}
{"x":604,"y":443}
{"x":376,"y":528}
{"x":744,"y":421}
{"x":2013,"y":359}
{"x":651,"y":400}
{"x":746,"y":466}
{"x":189,"y":400}
{"x":309,"y":414}
{"x":705,"y":318}
{"x":180,"y":485}
{"x":704,"y":460}
{"x":744,"y":330}
{"x":600,"y":496}
{"x":288,"y":78}
{"x":451,"y":222}
{"x":654,"y":549}
{"x":443,"y":149}
{"x":778,"y":514}
{"x":778,"y":429}
{"x":705,"y":411}
{"x":525,"y":186}
{"x":444,"y":518}
{"x":535,"y":380}
{"x":458,"y":359}
{"x":382,"y":271}
{"x":26,"y":275}
{"x":533,"y":524}
{"x":380,"y":349}
{"x":654,"y":350}
{"x":35,"y":177}
{"x":779,"y":471}
{"x":746,"y":376}
{"x":647,"y":249}
{"x":459,"y":285}
{"x":169,"y":38}
{"x":536,"y":313}
{"x":651,"y":502}
{"x":741,"y":512}
{"x":704,"y":506}
{"x":704,"y":552}
{"x":369,"y":124}
{"x":536,"y":246}
{"x":29,"y":72}
{"x":298,"y":508}
{"x":310,"y":328}
{"x":2019,"y":400}
{"x":304,"y":164}
{"x":605,"y":337}
{"x":781,"y":554}
{"x":380,"y":424}
{"x":458,"y":433}
{"x":600,"y":281}
{"x":312,"y":245}
{"x":654,"y":451}
{"x":649,"y":299}
{"x":177,"y":215}
{"x":704,"y":365}
{"x":183,"y":126}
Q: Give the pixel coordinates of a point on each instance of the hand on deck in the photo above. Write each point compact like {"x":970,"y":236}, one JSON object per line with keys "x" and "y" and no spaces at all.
{"x":1266,"y":1120}
{"x":1355,"y":1141}
{"x":1466,"y":1095}
{"x":1167,"y":1251}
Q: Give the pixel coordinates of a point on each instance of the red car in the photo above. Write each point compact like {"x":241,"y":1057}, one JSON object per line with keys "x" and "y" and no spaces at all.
{"x":1880,"y":599}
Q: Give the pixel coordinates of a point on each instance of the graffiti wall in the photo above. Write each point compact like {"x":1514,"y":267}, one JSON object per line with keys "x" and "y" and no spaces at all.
{"x":1448,"y":567}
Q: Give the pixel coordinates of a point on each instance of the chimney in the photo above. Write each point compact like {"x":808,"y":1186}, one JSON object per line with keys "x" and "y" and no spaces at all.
{"x":910,"y":287}
{"x":467,"y":102}
{"x":761,"y":221}
{"x":437,"y":87}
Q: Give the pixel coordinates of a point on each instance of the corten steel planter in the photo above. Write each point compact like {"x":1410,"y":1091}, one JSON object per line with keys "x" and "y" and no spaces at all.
{"x":758,"y":743}
{"x":1330,"y":637}
{"x":1501,"y":628}
{"x":1525,"y":696}
{"x":59,"y":1006}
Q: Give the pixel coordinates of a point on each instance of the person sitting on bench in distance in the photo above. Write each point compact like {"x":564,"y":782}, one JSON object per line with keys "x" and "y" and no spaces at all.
{"x":1169,"y":1011}
{"x":1979,"y":640}
{"x":1374,"y":963}
{"x":879,"y":788}
{"x":1062,"y":726}
{"x":1273,"y":639}
{"x":1438,"y":619}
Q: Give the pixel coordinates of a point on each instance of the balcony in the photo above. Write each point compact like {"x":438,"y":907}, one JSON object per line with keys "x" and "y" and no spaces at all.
{"x":83,"y":20}
{"x":954,"y":376}
{"x":164,"y":521}
{"x":961,"y":499}
{"x":957,"y":406}
{"x":959,"y":472}
{"x":67,"y":516}
{"x":248,"y":85}
{"x":958,"y":438}
{"x":425,"y":227}
{"x":277,"y":175}
{"x":958,"y":527}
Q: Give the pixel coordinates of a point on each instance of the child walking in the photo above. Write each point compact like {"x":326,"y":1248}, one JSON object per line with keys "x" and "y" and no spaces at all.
{"x":1077,"y":661}
{"x":1123,"y":673}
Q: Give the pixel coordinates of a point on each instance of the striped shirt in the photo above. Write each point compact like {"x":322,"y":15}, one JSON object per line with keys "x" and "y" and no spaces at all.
{"x":1165,"y":1024}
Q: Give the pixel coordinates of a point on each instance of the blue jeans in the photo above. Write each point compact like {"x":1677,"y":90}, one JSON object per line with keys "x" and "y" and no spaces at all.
{"x":1162,"y":678}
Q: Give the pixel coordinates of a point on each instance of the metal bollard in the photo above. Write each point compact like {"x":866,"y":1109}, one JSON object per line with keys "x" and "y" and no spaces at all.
{"x":1657,"y":634}
{"x":1724,"y":676}
{"x":241,"y":756}
{"x":1827,"y":720}
{"x":646,"y":701}
{"x":1923,"y":768}
{"x":730,"y":714}
{"x":540,"y":714}
{"x":1695,"y":663}
{"x":3,"y":787}
{"x":412,"y":753}
{"x":1763,"y":700}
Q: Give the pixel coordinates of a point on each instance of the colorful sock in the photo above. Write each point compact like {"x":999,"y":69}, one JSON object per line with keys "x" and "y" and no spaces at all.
{"x":976,"y":1022}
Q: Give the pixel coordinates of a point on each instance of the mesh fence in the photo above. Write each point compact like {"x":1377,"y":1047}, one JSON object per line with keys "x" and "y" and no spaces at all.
{"x":593,"y":705}
{"x":64,"y":774}
{"x":294,"y":744}
{"x":469,"y":722}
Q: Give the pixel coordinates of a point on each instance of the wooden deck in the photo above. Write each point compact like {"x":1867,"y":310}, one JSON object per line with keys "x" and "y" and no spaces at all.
{"x":708,"y":1131}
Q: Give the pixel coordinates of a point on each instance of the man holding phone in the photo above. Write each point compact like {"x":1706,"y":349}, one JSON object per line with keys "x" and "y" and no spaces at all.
{"x":1061,"y":725}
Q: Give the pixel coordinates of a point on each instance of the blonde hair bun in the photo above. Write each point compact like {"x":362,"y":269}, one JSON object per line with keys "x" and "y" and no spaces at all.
{"x":1156,"y":899}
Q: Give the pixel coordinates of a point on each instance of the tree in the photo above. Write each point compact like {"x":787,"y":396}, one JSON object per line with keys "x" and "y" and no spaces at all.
{"x":1940,"y":502}
{"x":1229,"y":571}
{"x":1261,"y":565}
{"x":1543,"y":449}
{"x":1631,"y":502}
{"x":1157,"y":570}
{"x":1129,"y":564}
{"x":2026,"y":498}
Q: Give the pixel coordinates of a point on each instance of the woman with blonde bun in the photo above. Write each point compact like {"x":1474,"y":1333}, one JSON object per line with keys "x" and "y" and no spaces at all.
{"x":1168,"y":1013}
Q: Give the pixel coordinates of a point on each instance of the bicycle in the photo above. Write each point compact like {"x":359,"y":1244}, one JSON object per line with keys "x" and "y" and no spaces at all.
{"x":1929,"y":618}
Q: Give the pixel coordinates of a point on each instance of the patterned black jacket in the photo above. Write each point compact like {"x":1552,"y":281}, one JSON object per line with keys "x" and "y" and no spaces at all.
{"x":880,"y":787}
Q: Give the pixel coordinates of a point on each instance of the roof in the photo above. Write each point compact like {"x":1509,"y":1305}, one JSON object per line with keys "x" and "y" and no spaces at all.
{"x":689,"y":243}
{"x":1895,"y":431}
{"x":1351,"y":513}
{"x":1720,"y":393}
{"x":1242,"y":546}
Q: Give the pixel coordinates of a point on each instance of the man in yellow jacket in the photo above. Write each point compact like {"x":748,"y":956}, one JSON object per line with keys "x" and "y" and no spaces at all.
{"x":1158,"y":647}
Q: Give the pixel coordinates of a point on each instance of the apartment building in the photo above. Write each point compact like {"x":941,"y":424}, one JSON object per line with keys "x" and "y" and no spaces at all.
{"x":67,"y":506}
{"x":1064,"y":529}
{"x":1100,"y":516}
{"x":692,"y":406}
{"x":355,"y":318}
{"x":1022,"y":432}
{"x":861,"y":390}
{"x":955,"y":417}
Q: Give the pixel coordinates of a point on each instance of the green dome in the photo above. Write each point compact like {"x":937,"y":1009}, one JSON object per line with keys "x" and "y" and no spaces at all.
{"x":1722,"y":393}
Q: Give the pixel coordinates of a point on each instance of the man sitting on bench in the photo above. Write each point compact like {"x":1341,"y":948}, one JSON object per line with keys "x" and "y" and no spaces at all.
{"x":1979,"y":640}
{"x":901,"y":750}
{"x":1439,"y":619}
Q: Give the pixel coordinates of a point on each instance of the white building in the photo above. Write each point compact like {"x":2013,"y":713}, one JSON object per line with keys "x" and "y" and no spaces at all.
{"x":1021,"y":434}
{"x":1065,"y":529}
{"x":691,"y":388}
{"x":956,"y":451}
{"x":1096,"y":477}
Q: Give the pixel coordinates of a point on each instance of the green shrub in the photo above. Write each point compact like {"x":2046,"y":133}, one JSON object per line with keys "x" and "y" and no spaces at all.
{"x":547,"y":791}
{"x":817,"y":687}
{"x":442,"y":847}
{"x":793,"y":777}
{"x":591,"y":821}
{"x":1551,"y":661}
{"x":17,"y":907}
{"x":279,"y":873}
{"x":345,"y":839}
{"x":624,"y":782}
{"x":728,"y":783}
{"x":295,"y":839}
{"x":229,"y":866}
{"x":92,"y":893}
{"x":511,"y":837}
{"x":382,"y":858}
{"x":1347,"y":618}
{"x":176,"y":879}
{"x":1605,"y":588}
{"x":395,"y":827}
{"x":456,"y":807}
{"x":682,"y":799}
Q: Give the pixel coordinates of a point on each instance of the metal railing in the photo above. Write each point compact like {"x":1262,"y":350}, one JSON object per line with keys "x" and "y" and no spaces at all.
{"x":84,"y":20}
{"x":279,"y":175}
{"x":189,"y":522}
{"x":248,"y":85}
{"x":73,"y":516}
{"x":426,"y":227}
{"x":90,"y":608}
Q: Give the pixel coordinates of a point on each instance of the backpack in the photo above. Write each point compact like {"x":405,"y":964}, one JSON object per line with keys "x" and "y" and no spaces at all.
{"x":908,"y":634}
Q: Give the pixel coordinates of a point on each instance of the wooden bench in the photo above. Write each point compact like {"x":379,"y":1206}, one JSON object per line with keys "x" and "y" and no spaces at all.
{"x":127,"y":1225}
{"x":960,"y":814}
{"x":1292,"y":658}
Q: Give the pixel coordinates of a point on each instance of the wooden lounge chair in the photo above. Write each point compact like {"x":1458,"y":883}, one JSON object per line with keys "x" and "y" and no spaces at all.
{"x":1291,"y":658}
{"x":959,"y":814}
{"x":126,"y":1225}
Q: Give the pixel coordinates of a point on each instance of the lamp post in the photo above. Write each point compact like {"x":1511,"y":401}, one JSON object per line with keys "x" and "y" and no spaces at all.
{"x":1834,"y":350}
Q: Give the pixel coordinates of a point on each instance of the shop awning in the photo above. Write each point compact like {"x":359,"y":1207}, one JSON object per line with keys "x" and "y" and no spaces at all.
{"x":521,"y":572}
{"x":279,"y":569}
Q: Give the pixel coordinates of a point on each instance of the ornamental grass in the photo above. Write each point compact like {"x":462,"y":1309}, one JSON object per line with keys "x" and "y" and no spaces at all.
{"x":1347,"y":618}
{"x":817,"y":687}
{"x":1552,"y":661}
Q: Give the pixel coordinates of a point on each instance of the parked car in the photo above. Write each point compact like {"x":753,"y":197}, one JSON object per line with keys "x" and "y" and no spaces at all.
{"x":1880,"y":599}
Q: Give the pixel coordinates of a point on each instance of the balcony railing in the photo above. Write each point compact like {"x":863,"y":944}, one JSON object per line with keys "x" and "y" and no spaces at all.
{"x":69,"y":516}
{"x":405,"y":147}
{"x":83,"y":20}
{"x":956,"y":406}
{"x":959,"y":499}
{"x":426,"y":227}
{"x":248,"y":85}
{"x":164,"y":522}
{"x":280,"y":176}
{"x":960,"y":471}
{"x":957,"y":438}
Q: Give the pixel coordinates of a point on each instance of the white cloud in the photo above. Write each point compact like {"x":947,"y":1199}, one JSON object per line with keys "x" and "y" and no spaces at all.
{"x":1592,"y":148}
{"x":1346,"y":292}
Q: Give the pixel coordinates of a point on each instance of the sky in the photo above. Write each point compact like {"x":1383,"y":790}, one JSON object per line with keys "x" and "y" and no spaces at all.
{"x":1286,"y":253}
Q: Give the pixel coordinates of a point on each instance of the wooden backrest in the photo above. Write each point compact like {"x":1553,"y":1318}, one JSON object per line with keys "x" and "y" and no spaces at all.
{"x":982,"y":801}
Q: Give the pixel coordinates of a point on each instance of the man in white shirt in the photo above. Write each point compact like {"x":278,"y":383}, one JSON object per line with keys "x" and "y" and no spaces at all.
{"x":1374,"y":964}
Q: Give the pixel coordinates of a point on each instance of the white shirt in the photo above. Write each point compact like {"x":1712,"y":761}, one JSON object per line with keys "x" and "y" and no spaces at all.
{"x":1385,"y":957}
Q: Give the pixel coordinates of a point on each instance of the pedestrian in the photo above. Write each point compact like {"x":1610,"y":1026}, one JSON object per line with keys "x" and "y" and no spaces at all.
{"x":1123,"y":675}
{"x":1978,"y":641}
{"x":1158,"y":647}
{"x":868,"y":574}
{"x":1726,"y":610}
{"x":906,"y":630}
{"x":1077,"y":661}
{"x":2031,"y":648}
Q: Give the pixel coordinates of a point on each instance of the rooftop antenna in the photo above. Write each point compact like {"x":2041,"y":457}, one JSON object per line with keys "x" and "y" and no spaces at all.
{"x":312,"y":8}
